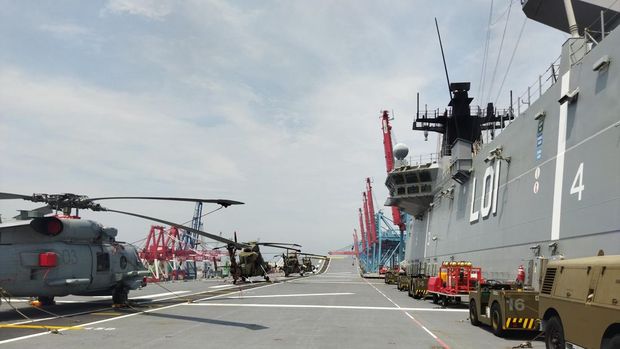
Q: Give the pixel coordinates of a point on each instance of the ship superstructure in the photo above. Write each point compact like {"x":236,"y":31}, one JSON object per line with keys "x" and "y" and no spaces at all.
{"x":547,"y":180}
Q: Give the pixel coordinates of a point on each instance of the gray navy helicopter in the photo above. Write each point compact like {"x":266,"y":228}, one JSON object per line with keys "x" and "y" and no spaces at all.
{"x":62,"y":254}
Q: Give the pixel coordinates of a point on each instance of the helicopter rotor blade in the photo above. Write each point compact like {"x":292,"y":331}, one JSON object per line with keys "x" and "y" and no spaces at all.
{"x":196,"y":231}
{"x":11,"y":196}
{"x":223,"y":202}
{"x":283,"y":247}
{"x":278,"y":243}
{"x":313,"y":255}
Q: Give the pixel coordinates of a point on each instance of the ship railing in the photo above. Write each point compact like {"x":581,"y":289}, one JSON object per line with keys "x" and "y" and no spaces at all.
{"x":601,"y":27}
{"x":593,"y":34}
{"x":423,"y":159}
{"x":540,"y":86}
{"x":480,"y":111}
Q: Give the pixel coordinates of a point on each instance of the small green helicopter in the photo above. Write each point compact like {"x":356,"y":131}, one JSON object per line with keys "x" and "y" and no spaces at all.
{"x":306,"y":261}
{"x":291,"y":264}
{"x":251,"y":262}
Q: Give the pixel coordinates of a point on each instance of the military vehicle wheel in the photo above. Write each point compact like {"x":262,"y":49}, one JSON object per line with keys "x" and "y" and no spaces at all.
{"x":473,"y":313}
{"x":46,"y":300}
{"x":435,"y":299}
{"x":410,"y":291}
{"x":611,"y":343}
{"x":496,"y":320}
{"x":445,"y":301}
{"x":554,"y":333}
{"x":120,"y":295}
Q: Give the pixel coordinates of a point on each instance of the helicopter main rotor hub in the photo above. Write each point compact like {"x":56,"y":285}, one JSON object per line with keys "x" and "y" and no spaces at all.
{"x":67,"y":201}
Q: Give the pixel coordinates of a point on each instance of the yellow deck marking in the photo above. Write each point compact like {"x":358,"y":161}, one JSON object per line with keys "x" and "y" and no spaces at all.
{"x":108,"y":313}
{"x":44,"y":327}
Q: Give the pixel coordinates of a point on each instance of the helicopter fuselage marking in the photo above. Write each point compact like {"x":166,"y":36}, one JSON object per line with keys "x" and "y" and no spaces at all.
{"x":69,"y":256}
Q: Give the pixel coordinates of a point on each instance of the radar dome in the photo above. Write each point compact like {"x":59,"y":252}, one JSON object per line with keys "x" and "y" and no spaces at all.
{"x":400,"y":151}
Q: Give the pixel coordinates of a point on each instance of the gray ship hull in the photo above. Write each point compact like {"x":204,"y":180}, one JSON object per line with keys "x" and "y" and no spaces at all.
{"x":559,"y":193}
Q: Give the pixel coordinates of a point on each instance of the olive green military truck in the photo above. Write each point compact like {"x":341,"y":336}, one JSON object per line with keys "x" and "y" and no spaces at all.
{"x":504,"y":307}
{"x":579,"y":303}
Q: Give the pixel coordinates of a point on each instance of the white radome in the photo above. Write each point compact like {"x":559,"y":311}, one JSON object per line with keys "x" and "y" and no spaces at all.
{"x":400,"y":151}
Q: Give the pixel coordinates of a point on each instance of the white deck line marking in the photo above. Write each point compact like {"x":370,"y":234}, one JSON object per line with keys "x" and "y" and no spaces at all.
{"x":122,"y":316}
{"x":559,"y":162}
{"x":222,"y":286}
{"x":139,"y":297}
{"x":441,"y":342}
{"x":342,"y":276}
{"x":316,"y":306}
{"x":159,"y":295}
{"x":341,"y":272}
{"x":28,"y":300}
{"x":295,"y":295}
{"x":328,"y":282}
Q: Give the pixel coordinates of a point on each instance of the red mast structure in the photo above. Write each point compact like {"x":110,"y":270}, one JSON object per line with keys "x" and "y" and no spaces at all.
{"x":362,"y":231}
{"x":389,"y":162}
{"x":371,"y":211}
{"x":366,"y":219}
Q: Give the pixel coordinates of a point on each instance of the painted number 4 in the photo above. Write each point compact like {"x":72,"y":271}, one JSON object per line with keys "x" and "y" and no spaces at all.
{"x":578,"y":186}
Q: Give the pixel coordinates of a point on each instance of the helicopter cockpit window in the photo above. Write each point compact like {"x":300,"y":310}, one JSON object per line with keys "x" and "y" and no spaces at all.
{"x":103,"y":261}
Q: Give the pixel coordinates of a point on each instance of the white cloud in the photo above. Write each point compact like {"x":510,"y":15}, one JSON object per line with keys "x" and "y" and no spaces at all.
{"x":65,"y":30}
{"x":152,"y":9}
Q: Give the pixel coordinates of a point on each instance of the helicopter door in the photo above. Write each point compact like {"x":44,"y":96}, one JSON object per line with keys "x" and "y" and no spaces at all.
{"x":102,"y":277}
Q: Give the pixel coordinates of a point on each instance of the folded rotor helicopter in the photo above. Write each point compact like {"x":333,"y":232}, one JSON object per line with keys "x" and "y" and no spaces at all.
{"x":251,"y":262}
{"x":293,"y":266}
{"x":306,"y":261}
{"x":62,"y":254}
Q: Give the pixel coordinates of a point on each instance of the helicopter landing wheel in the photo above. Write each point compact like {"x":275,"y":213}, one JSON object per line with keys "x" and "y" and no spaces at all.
{"x":46,"y":300}
{"x":120,"y":295}
{"x":266,"y":278}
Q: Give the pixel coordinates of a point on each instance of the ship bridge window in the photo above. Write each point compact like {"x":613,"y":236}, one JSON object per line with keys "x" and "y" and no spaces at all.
{"x":414,"y":189}
{"x":411,"y":178}
{"x":400,"y":191}
{"x":399,"y":179}
{"x":425,"y":176}
{"x":426,"y":188}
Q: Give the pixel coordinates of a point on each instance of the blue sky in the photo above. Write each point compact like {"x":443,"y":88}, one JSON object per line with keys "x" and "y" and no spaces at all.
{"x":274,"y":103}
